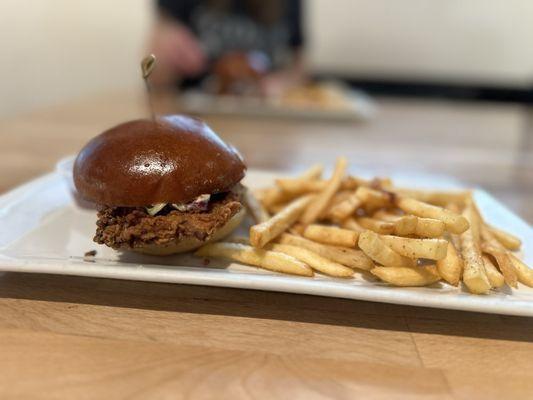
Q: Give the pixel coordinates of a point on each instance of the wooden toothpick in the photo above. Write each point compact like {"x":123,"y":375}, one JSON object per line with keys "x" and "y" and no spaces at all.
{"x":147,"y":67}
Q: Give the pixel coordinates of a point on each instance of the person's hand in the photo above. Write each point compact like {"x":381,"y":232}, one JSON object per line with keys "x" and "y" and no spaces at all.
{"x":178,"y":53}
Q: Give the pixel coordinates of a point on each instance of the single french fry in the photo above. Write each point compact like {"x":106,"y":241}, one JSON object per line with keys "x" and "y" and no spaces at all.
{"x":353,"y":182}
{"x":493,"y":247}
{"x":300,"y":186}
{"x":433,"y":249}
{"x":412,"y":225}
{"x":375,"y":198}
{"x":314,"y":172}
{"x":524,"y":273}
{"x":277,"y":195}
{"x":317,"y":206}
{"x":377,"y":250}
{"x":450,"y":267}
{"x":429,"y":227}
{"x":436,"y":197}
{"x":254,"y":207}
{"x":314,"y":260}
{"x":350,"y":257}
{"x":297,"y":229}
{"x":455,"y":223}
{"x":340,"y":211}
{"x":263,"y":233}
{"x":271,"y":260}
{"x":276,"y":208}
{"x":496,"y":279}
{"x":509,"y":241}
{"x":331,"y":235}
{"x":387,"y":215}
{"x":474,"y":274}
{"x":455,"y":239}
{"x":273,"y":196}
{"x":405,"y":276}
{"x":405,"y":225}
{"x":375,"y":225}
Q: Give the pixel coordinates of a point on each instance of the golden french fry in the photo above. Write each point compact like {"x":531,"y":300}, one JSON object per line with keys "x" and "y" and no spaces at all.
{"x":405,"y":276}
{"x":350,"y":257}
{"x":433,"y":249}
{"x":300,"y":186}
{"x":510,"y":242}
{"x":340,"y":211}
{"x":429,"y":227}
{"x":455,"y":223}
{"x":314,"y":172}
{"x":450,"y":267}
{"x":339,"y":197}
{"x":276,"y":208}
{"x":436,"y":197}
{"x":405,"y":225}
{"x":317,"y":206}
{"x":372,"y":245}
{"x":271,"y":260}
{"x":331,"y":235}
{"x":353,"y":182}
{"x":474,"y":274}
{"x":387,"y":215}
{"x":375,"y":225}
{"x":297,"y":229}
{"x":494,"y":248}
{"x":263,"y":233}
{"x":314,"y":260}
{"x":525,"y":274}
{"x":496,"y":279}
{"x":273,"y":196}
{"x":504,"y":264}
{"x":254,"y":207}
{"x":276,"y":195}
{"x":374,"y":198}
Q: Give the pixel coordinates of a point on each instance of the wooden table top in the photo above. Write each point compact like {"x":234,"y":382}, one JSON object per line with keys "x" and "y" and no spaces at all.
{"x":73,"y":337}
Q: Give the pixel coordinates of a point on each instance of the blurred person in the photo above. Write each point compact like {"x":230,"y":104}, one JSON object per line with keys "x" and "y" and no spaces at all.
{"x":254,"y":40}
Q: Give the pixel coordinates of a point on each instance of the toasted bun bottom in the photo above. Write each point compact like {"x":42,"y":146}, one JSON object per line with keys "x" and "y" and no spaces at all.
{"x":191,"y":243}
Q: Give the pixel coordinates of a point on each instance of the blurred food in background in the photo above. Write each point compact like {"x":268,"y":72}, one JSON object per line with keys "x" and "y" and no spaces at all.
{"x":247,"y":53}
{"x":238,"y":73}
{"x":230,"y":39}
{"x":325,"y":96}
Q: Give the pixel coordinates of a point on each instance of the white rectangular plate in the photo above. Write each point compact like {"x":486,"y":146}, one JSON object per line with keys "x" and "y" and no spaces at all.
{"x":43,"y":230}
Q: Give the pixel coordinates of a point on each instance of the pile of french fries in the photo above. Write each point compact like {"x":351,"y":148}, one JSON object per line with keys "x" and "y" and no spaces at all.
{"x":346,"y":224}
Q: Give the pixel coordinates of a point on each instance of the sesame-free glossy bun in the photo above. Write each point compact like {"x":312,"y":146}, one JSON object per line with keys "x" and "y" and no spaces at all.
{"x":142,"y":162}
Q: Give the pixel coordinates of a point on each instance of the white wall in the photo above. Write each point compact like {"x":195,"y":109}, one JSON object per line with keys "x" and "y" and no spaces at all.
{"x":54,"y":50}
{"x":480,"y":40}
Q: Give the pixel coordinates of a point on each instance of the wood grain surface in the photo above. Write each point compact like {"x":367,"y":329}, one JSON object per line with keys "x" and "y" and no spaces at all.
{"x":84,"y":338}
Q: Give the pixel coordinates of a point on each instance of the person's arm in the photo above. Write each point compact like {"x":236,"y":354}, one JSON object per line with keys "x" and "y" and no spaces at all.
{"x":177,"y":49}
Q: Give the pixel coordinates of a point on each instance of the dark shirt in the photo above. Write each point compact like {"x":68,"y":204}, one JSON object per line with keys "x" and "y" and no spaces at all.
{"x":235,"y":30}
